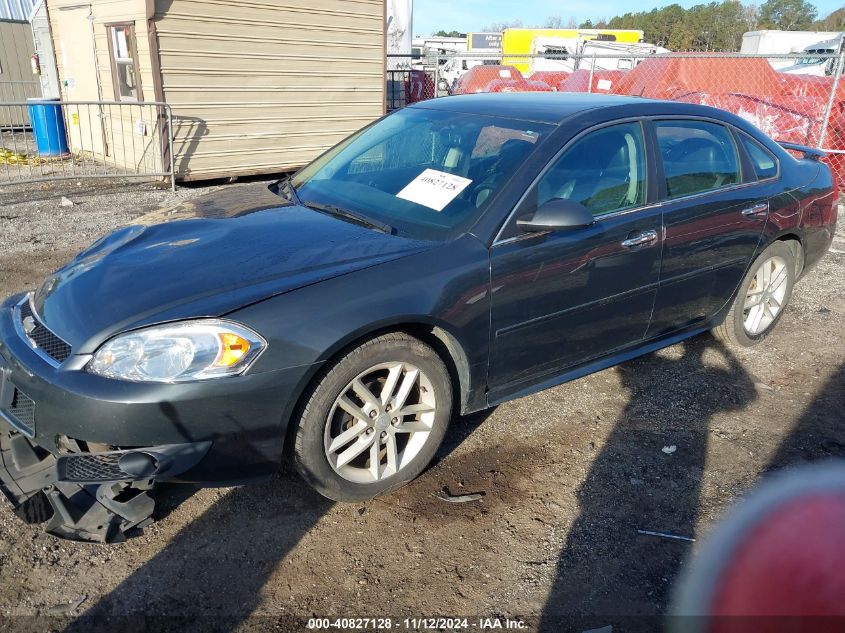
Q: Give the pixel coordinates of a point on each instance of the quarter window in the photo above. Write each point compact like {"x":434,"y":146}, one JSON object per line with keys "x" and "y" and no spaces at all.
{"x":765,"y":165}
{"x":127,"y":84}
{"x":697,"y":156}
{"x":605,"y":171}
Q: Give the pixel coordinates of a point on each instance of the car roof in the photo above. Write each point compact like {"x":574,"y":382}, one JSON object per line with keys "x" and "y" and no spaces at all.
{"x":555,"y":107}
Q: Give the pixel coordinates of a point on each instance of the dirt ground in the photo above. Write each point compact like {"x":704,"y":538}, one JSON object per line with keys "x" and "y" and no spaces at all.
{"x":569,"y":476}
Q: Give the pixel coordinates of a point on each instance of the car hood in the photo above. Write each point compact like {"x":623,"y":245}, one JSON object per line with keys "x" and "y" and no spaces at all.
{"x":204,"y":264}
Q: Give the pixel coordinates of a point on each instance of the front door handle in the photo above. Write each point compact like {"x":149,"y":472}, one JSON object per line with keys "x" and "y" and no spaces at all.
{"x":642,"y":239}
{"x":758,"y":209}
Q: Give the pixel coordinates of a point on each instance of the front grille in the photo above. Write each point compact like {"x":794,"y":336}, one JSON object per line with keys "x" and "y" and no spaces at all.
{"x":43,"y":338}
{"x":91,"y":467}
{"x":23,"y":411}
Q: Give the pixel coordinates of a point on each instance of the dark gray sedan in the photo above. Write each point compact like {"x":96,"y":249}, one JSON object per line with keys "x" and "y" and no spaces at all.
{"x":451,"y":256}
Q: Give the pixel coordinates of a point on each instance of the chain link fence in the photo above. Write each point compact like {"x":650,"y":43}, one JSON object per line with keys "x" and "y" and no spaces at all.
{"x":793,"y":98}
{"x":57,"y":140}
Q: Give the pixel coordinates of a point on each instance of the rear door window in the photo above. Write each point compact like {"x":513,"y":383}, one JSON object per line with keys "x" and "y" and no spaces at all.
{"x":698,"y":156}
{"x":762,"y":160}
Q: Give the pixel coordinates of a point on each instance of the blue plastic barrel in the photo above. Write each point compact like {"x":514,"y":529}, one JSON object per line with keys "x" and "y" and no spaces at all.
{"x":48,"y":126}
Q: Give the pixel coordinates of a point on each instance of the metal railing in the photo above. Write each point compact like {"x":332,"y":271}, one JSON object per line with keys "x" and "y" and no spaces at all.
{"x":85,"y":139}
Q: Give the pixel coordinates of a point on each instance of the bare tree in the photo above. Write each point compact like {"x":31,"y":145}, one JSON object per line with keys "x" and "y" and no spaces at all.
{"x":501,"y":26}
{"x":749,"y":16}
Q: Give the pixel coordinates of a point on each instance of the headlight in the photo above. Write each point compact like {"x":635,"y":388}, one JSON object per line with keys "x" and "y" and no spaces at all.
{"x":177,"y":352}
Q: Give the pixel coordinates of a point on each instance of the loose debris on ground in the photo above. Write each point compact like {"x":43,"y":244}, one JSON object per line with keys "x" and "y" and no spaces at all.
{"x":569,"y":476}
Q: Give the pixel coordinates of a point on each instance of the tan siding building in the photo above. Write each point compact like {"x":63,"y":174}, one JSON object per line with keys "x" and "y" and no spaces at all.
{"x":255,"y":86}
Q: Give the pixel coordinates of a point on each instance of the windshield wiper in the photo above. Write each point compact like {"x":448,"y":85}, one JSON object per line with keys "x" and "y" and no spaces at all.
{"x":352,"y":216}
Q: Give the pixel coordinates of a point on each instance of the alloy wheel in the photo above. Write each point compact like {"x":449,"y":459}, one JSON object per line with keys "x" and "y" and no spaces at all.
{"x":379,"y":422}
{"x":766,"y":295}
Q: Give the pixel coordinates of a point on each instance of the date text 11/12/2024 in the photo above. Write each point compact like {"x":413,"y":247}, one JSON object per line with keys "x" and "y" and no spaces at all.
{"x":417,"y":624}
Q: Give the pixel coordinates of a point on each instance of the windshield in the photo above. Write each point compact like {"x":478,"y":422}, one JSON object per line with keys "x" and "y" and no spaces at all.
{"x":816,"y":60}
{"x":425,"y":173}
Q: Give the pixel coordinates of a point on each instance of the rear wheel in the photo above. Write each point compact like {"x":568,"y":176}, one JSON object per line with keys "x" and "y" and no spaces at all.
{"x":374,"y":419}
{"x":761,"y":299}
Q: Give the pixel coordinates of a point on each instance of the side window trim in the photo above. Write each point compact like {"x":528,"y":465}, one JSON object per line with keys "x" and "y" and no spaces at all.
{"x":654,"y":119}
{"x":749,"y":174}
{"x":650,"y":201}
{"x":657,"y":179}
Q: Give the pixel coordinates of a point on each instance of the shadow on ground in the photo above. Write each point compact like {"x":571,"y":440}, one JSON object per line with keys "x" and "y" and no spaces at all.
{"x":607,"y":571}
{"x":218,"y":564}
{"x":817,"y":434}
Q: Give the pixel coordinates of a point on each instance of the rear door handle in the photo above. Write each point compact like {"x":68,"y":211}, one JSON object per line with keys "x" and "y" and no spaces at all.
{"x":642,"y":239}
{"x":758,"y":209}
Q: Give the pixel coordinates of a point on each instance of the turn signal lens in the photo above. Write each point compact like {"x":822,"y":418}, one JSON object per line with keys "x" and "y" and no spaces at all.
{"x":232,"y":349}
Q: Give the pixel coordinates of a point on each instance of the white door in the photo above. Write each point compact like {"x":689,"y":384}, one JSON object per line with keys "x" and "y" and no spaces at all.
{"x":78,"y":59}
{"x":44,"y":47}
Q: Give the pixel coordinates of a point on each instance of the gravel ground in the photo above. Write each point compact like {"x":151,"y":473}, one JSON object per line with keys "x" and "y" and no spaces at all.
{"x":38,"y":234}
{"x":569,"y":476}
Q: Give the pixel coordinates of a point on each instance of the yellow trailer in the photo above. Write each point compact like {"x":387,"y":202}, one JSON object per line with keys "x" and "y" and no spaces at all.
{"x":517,"y":43}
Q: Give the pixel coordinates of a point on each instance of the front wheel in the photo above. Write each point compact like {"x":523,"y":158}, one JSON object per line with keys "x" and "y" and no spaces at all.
{"x":761,"y":299}
{"x":374,"y":419}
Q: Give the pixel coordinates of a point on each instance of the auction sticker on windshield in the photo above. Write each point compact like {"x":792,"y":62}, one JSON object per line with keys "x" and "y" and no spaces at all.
{"x":434,"y":189}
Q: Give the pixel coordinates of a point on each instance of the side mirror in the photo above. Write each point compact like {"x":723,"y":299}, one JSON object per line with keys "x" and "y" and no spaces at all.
{"x":557,"y":214}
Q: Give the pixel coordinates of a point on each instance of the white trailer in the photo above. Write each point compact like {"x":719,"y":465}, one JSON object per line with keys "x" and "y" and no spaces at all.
{"x":818,"y":58}
{"x":429,"y":52}
{"x":555,"y":53}
{"x":399,"y":33}
{"x":441,"y":45}
{"x":782,"y":43}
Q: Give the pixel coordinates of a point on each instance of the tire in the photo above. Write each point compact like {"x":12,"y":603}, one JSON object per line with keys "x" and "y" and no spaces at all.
{"x":340,"y":418}
{"x":738,"y":329}
{"x":36,"y":509}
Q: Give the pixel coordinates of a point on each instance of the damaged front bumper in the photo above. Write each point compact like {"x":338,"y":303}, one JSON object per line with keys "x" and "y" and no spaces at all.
{"x":84,"y":451}
{"x":86,"y":496}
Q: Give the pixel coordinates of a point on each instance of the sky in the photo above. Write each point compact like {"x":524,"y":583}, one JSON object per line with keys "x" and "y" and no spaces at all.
{"x":473,"y":15}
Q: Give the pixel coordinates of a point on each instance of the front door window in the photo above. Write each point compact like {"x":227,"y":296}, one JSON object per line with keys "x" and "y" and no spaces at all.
{"x":604,"y":171}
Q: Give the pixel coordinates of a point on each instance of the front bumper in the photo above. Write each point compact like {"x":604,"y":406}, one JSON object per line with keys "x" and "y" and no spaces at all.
{"x":26,"y":468}
{"x":86,"y":496}
{"x":30,"y":480}
{"x":87,"y":443}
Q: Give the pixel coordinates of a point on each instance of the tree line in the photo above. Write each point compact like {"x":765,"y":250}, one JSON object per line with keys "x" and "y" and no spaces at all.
{"x":716,"y":26}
